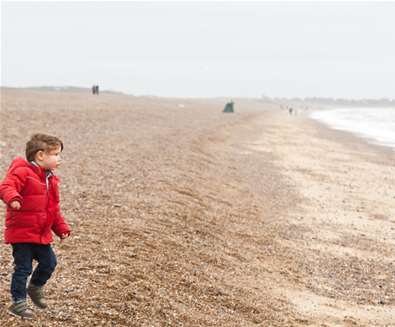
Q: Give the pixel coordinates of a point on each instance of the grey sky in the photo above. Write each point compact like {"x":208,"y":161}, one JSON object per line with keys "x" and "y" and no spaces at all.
{"x":203,"y":48}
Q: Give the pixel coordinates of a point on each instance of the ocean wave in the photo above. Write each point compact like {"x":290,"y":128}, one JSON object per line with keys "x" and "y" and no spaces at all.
{"x":375,"y":124}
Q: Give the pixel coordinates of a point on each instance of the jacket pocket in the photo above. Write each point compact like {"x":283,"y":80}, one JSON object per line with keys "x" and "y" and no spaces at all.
{"x":22,"y":219}
{"x":42,"y":220}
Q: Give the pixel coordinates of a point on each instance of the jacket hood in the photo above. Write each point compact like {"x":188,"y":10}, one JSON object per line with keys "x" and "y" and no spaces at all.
{"x":20,"y":162}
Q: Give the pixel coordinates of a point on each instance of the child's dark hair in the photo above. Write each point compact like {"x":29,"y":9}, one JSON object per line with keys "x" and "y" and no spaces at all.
{"x":41,"y":142}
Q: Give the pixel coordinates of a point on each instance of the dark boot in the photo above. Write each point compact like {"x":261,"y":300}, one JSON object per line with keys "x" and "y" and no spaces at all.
{"x":36,"y":293}
{"x":20,"y":309}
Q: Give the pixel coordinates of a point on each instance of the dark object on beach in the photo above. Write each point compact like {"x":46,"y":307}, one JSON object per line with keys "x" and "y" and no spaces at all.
{"x":229,"y":107}
{"x":95,"y":89}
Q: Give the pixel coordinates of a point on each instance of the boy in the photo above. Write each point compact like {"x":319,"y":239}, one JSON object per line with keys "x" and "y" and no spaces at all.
{"x":30,"y":191}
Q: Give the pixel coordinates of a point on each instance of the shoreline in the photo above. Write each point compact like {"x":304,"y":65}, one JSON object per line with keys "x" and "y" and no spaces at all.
{"x":360,"y":134}
{"x":355,"y":141}
{"x":321,"y":165}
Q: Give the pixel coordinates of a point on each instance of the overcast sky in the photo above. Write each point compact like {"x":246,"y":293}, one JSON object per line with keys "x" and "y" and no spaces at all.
{"x":203,"y":48}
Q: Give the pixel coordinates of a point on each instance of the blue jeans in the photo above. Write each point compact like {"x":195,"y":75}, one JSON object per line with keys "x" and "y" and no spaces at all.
{"x":24,"y":254}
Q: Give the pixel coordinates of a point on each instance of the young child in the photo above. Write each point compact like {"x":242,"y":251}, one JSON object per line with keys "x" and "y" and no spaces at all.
{"x":30,"y":191}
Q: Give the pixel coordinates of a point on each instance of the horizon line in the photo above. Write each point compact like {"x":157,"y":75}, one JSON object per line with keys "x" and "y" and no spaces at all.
{"x":263,"y":96}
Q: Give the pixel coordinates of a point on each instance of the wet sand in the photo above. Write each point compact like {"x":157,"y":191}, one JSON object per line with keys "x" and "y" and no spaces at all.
{"x":185,"y":216}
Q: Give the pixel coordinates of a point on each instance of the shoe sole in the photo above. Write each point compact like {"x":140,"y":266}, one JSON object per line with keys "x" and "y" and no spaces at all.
{"x":38,"y":306}
{"x":18,"y":316}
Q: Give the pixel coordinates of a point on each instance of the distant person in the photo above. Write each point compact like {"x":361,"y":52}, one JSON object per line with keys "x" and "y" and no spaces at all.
{"x":95,"y":89}
{"x":31,"y":192}
{"x":290,"y":110}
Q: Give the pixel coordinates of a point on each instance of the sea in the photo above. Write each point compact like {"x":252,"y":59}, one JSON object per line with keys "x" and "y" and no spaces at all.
{"x":375,"y":124}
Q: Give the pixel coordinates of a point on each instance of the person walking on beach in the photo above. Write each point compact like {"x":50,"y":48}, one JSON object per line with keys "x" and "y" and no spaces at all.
{"x":30,"y":191}
{"x":95,"y":89}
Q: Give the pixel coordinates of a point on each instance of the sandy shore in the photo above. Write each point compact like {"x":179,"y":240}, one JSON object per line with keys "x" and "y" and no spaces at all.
{"x":184,"y":216}
{"x":342,"y":224}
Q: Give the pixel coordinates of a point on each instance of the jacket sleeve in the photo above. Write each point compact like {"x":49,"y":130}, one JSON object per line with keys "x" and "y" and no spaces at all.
{"x":59,"y":224}
{"x":12,"y":185}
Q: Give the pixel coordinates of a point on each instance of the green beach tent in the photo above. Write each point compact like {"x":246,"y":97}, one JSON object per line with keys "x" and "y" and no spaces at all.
{"x":229,"y":107}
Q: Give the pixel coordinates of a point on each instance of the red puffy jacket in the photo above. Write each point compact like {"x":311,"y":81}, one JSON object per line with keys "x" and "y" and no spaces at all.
{"x":39,"y":212}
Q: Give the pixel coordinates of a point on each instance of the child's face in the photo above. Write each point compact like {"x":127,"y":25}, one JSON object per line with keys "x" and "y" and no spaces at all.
{"x":49,"y":159}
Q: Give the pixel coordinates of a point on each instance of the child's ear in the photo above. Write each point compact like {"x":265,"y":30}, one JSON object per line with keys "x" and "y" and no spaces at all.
{"x":39,"y":155}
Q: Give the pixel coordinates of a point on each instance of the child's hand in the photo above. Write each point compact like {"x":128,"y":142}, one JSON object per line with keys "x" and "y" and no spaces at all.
{"x":63,"y":236}
{"x":15,"y":205}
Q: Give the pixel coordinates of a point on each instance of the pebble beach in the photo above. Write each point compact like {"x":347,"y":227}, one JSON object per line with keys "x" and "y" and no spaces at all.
{"x":186,"y":216}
